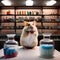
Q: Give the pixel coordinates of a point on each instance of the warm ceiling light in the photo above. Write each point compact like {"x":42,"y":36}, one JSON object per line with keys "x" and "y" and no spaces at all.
{"x":29,"y":3}
{"x":6,"y":2}
{"x":50,"y":3}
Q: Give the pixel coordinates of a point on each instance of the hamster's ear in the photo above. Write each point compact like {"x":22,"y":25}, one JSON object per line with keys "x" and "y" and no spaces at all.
{"x":25,"y":23}
{"x":34,"y":23}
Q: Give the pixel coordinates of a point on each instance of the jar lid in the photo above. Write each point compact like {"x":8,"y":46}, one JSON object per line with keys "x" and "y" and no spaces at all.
{"x":10,"y":35}
{"x":46,"y":34}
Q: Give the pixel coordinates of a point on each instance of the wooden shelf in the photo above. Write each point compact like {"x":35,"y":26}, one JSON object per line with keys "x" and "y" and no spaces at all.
{"x":51,"y":14}
{"x":7,"y":29}
{"x":7,"y":22}
{"x":7,"y":14}
{"x":28,"y":15}
{"x":42,"y":14}
{"x":48,"y":29}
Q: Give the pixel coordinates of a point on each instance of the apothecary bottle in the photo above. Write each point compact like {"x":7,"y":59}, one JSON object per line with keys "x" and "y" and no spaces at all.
{"x":46,"y":46}
{"x":10,"y":47}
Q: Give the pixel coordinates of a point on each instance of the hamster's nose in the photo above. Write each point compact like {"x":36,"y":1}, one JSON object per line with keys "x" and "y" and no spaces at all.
{"x":28,"y":24}
{"x":31,"y":27}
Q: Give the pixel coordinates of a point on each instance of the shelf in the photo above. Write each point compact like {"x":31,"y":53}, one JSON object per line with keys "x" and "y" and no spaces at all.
{"x":19,"y":21}
{"x":51,"y":29}
{"x":11,"y":15}
{"x":40,"y":15}
{"x":19,"y":28}
{"x":19,"y":31}
{"x":28,"y":15}
{"x":48,"y":29}
{"x":7,"y":29}
{"x":51,"y":14}
{"x":50,"y":22}
{"x":7,"y":14}
{"x":7,"y":22}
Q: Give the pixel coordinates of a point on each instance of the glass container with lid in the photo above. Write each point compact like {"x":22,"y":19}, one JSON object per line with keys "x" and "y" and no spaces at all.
{"x":46,"y":46}
{"x":10,"y":47}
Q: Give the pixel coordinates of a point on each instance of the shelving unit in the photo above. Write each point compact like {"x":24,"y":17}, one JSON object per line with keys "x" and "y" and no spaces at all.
{"x":6,"y":16}
{"x":12,"y":19}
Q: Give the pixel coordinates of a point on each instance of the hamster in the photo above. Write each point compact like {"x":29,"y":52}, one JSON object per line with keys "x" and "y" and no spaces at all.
{"x":29,"y":35}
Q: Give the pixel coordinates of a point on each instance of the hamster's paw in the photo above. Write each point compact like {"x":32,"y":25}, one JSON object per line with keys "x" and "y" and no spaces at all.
{"x":21,"y":43}
{"x":35,"y":43}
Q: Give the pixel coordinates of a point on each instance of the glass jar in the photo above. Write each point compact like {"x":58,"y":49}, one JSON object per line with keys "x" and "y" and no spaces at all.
{"x":46,"y":46}
{"x":10,"y":47}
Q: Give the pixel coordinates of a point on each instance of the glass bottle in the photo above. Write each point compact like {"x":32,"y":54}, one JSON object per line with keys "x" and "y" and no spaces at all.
{"x":10,"y":47}
{"x":46,"y":46}
{"x":8,"y":12}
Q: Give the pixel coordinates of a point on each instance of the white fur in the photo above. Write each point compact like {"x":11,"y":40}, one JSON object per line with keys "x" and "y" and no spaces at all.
{"x":29,"y":40}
